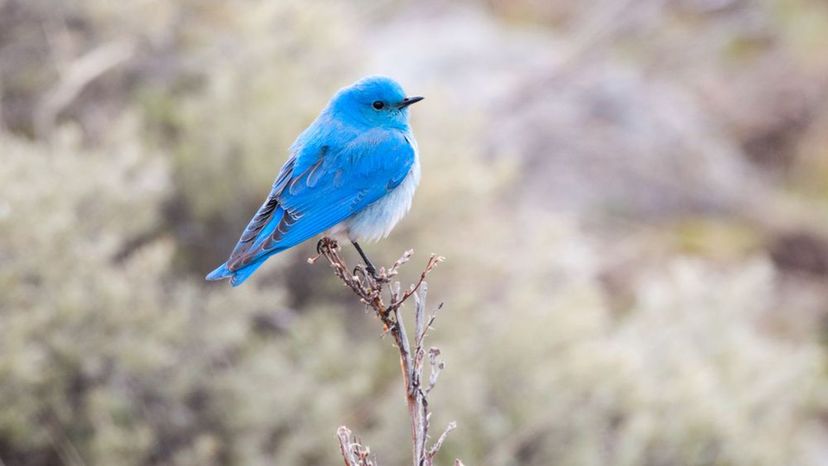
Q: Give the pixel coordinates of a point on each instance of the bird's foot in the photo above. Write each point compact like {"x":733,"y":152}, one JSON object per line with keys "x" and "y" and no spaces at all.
{"x":326,"y":243}
{"x":369,"y":270}
{"x":323,"y":247}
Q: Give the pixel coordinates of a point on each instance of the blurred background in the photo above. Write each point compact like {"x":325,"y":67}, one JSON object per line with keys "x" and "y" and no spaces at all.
{"x":632,"y":197}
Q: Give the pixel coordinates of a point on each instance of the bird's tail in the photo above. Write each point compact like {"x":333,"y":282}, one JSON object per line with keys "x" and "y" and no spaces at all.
{"x":237,"y":277}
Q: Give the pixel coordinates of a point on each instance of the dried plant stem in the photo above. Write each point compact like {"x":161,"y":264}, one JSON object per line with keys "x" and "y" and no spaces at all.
{"x":353,"y":452}
{"x":413,"y":355}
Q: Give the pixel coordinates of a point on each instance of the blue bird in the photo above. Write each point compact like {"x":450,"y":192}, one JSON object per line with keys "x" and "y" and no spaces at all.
{"x":350,"y":175}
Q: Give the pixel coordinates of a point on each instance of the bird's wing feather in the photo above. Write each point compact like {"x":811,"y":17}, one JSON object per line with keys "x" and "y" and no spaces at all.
{"x":333,"y":184}
{"x":266,"y":212}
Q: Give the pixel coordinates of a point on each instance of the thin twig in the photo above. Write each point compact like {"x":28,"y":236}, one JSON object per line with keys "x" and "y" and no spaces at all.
{"x":439,"y":443}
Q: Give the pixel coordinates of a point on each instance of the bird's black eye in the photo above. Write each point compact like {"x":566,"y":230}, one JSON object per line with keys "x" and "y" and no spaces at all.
{"x":378,"y":105}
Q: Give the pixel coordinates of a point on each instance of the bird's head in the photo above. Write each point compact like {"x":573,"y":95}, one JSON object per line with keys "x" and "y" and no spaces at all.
{"x":374,"y":101}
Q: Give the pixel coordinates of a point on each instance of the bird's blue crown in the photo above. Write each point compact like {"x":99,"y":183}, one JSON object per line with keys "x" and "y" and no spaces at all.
{"x":372,"y":101}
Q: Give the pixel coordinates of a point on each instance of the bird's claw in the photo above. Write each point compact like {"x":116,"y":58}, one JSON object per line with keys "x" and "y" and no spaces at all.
{"x":326,"y":242}
{"x":366,"y":271}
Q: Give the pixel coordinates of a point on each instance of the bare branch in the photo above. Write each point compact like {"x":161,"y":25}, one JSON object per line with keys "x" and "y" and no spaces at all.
{"x":432,"y":262}
{"x":439,"y":443}
{"x":370,"y":290}
{"x":405,"y":350}
{"x":419,"y":315}
{"x":402,"y":260}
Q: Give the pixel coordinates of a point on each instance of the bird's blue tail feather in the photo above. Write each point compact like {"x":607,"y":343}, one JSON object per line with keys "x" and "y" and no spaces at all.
{"x":221,"y":272}
{"x":245,"y":272}
{"x":236,"y":277}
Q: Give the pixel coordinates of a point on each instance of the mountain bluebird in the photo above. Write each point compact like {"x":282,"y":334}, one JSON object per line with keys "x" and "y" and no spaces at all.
{"x":351,"y":175}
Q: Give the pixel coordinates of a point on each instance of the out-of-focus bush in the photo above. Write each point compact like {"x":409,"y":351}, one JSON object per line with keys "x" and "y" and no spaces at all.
{"x":667,"y":383}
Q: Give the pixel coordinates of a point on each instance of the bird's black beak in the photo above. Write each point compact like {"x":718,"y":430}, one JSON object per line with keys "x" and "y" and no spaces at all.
{"x":408,"y":101}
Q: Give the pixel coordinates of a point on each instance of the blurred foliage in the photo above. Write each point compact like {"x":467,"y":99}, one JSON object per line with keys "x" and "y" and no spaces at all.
{"x":636,"y":240}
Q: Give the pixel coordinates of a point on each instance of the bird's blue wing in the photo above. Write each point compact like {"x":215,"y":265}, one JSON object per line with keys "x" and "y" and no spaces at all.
{"x":320,"y":187}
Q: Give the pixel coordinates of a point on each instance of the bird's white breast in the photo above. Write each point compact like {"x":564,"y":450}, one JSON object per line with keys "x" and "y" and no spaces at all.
{"x":377,"y":220}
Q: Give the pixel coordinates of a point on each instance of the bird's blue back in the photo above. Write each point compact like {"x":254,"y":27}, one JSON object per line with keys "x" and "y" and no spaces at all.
{"x":340,"y":164}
